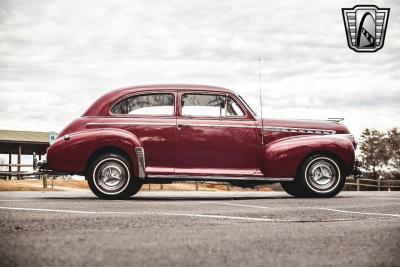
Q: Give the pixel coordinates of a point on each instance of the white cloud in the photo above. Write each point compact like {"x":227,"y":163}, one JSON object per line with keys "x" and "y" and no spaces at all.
{"x":57,"y":57}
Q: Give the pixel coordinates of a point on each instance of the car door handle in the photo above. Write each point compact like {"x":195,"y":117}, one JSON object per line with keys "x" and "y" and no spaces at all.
{"x":180,"y":126}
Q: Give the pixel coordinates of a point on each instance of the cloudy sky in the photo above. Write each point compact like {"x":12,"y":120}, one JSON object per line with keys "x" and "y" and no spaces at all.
{"x":57,"y":57}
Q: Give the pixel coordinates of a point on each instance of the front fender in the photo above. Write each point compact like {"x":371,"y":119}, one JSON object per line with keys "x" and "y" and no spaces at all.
{"x":282,"y":158}
{"x":72,"y":153}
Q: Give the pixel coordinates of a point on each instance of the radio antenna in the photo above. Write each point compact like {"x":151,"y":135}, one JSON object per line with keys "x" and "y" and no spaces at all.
{"x":261,"y":105}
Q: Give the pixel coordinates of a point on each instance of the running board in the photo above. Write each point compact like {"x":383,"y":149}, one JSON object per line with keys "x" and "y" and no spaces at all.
{"x":173,"y":178}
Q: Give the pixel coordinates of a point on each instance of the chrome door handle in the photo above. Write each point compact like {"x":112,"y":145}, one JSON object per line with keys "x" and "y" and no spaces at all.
{"x":180,"y":126}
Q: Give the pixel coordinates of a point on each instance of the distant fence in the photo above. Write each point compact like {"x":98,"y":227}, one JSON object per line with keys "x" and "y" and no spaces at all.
{"x":363,"y":184}
{"x":18,"y":174}
{"x":360,"y":184}
{"x":26,"y":174}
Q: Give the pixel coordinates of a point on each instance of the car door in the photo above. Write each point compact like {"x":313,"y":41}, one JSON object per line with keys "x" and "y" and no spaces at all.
{"x":151,"y":116}
{"x":215,"y":136}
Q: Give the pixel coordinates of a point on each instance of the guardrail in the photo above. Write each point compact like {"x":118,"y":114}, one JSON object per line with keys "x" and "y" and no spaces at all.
{"x":20,"y":174}
{"x":11,"y":173}
{"x":351,"y":183}
{"x":379,"y":184}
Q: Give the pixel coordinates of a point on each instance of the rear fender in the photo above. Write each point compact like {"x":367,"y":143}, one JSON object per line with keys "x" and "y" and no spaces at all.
{"x":71,"y":153}
{"x":282,"y":158}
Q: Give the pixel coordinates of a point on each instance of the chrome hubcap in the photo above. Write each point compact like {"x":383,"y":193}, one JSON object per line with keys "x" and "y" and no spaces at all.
{"x":322,"y":174}
{"x":111,"y":175}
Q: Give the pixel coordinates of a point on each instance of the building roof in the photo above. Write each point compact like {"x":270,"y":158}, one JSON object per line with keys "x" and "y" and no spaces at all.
{"x":30,"y":141}
{"x":24,"y":136}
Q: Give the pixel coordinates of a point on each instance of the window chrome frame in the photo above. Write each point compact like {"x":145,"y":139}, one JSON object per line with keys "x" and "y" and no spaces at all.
{"x":125,"y":97}
{"x":226,"y":95}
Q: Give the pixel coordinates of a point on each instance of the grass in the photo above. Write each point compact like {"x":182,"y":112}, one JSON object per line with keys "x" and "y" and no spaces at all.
{"x":61,"y":185}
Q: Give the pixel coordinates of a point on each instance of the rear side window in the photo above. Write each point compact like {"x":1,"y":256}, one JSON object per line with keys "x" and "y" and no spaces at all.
{"x":210,"y":106}
{"x":148,"y":104}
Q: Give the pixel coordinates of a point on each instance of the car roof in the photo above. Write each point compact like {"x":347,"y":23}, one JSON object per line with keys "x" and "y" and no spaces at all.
{"x":102,"y":105}
{"x":178,"y":87}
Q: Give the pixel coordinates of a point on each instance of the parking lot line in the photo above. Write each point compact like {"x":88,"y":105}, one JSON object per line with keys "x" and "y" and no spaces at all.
{"x":361,"y":212}
{"x":237,"y":205}
{"x":318,"y":208}
{"x":384,"y":198}
{"x":210,"y":216}
{"x":143,"y":213}
{"x":12,"y":200}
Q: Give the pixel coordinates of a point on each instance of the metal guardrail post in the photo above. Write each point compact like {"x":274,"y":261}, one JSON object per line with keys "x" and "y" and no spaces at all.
{"x":44,"y":177}
{"x":358,"y":184}
{"x":19,"y":162}
{"x":9,"y":167}
{"x":379,"y":184}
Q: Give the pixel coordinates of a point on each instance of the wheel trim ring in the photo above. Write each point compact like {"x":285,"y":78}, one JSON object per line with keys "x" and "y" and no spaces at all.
{"x":127,"y":180}
{"x":333,"y":185}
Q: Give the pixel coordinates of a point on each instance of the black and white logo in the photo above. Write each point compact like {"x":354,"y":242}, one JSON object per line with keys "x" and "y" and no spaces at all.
{"x":365,"y":27}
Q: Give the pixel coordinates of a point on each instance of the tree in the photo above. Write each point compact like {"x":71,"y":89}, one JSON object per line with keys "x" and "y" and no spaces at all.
{"x":393,"y":140}
{"x":374,"y":149}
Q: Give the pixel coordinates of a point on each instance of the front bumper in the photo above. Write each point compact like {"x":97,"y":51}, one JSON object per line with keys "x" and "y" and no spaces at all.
{"x":357,"y":172}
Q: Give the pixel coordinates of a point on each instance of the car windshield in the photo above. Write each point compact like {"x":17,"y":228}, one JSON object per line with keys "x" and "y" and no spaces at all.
{"x":248,"y":107}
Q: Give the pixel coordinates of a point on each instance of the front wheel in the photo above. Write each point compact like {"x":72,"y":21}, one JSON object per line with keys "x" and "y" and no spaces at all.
{"x":110,"y":177}
{"x":318,"y":176}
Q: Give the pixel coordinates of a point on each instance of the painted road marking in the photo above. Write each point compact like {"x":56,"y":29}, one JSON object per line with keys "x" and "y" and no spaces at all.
{"x":384,"y":198}
{"x":233,"y":204}
{"x":361,"y":212}
{"x":210,"y":216}
{"x":318,"y":208}
{"x":142,"y":213}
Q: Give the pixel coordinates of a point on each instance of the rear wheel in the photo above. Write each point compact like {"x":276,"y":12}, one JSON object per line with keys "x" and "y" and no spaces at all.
{"x":319,"y":176}
{"x":110,"y":176}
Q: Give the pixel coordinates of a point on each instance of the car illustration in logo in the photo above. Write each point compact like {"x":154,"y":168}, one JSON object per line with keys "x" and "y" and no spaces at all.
{"x":365,"y":27}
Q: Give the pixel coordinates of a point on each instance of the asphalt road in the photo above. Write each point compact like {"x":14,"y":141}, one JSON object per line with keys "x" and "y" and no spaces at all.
{"x":199,"y":229}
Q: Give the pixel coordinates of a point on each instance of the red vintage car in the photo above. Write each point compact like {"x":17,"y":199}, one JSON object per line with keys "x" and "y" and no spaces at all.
{"x":167,"y":133}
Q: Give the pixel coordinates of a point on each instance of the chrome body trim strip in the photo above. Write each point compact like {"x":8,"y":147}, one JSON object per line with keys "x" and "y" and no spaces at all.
{"x":218,"y":178}
{"x":215,"y":125}
{"x":337,"y":120}
{"x":265,"y":128}
{"x":129,"y":123}
{"x":297,"y":130}
{"x":141,"y":162}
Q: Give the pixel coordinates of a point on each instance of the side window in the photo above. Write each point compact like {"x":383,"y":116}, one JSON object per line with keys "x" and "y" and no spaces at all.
{"x":233,"y":109}
{"x":148,"y":104}
{"x":209,"y":106}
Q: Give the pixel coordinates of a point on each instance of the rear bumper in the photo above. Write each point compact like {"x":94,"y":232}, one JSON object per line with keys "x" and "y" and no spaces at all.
{"x":40,"y":168}
{"x":39,"y":165}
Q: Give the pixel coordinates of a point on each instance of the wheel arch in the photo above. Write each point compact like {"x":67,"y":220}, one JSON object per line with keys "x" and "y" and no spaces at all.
{"x":74,"y":153}
{"x":324,"y":152}
{"x":283,"y":158}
